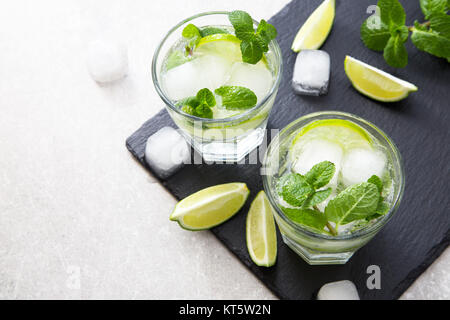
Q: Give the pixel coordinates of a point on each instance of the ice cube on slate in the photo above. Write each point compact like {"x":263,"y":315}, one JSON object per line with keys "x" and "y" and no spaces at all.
{"x":166,"y":151}
{"x":107,"y":61}
{"x":311,"y":72}
{"x":203,"y":72}
{"x":316,"y":151}
{"x":359,"y":165}
{"x":339,"y":290}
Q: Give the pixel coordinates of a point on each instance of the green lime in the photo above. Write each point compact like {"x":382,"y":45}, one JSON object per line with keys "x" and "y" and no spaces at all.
{"x":210,"y":207}
{"x":260,"y":232}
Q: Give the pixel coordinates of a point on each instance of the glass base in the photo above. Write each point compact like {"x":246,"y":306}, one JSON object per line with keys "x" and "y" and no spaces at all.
{"x":314,"y":257}
{"x":229,"y":151}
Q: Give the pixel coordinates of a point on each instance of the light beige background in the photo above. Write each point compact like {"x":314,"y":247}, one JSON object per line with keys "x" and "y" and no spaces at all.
{"x":79,"y":218}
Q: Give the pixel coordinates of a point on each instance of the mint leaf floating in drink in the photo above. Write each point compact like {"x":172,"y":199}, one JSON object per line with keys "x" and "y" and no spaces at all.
{"x":254,"y":43}
{"x":200,"y":105}
{"x":236,"y":97}
{"x":354,"y":203}
{"x":207,"y":31}
{"x":294,"y":189}
{"x":317,"y":197}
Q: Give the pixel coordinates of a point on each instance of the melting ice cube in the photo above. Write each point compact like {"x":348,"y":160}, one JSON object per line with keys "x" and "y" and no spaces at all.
{"x":316,"y":151}
{"x":186,"y":80}
{"x":166,"y":151}
{"x":360,"y":164}
{"x":311,"y":72}
{"x":339,"y":290}
{"x":107,"y":61}
{"x":254,"y":77}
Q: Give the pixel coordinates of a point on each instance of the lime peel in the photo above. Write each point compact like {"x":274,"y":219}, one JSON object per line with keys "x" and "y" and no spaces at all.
{"x":375,"y":83}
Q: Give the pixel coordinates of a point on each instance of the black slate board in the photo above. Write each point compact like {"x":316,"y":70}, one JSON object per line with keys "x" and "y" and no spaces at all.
{"x":419,"y":125}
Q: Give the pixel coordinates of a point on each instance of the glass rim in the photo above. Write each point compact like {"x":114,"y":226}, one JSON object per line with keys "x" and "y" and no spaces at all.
{"x":174,"y":108}
{"x":358,"y":233}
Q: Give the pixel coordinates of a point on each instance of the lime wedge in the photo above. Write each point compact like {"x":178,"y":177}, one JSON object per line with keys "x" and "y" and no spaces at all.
{"x":210,"y":207}
{"x":222,"y":44}
{"x":342,"y":132}
{"x":260,"y":232}
{"x":375,"y":83}
{"x":315,"y":30}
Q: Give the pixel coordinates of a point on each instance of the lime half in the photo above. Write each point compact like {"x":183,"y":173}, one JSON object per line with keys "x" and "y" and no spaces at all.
{"x":375,"y":83}
{"x":315,"y":30}
{"x":260,"y":232}
{"x":342,"y":132}
{"x":210,"y":207}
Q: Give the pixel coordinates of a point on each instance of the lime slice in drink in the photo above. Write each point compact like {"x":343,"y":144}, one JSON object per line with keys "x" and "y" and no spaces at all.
{"x":342,"y":132}
{"x":222,"y":44}
{"x":375,"y":83}
{"x":210,"y":207}
{"x":260,"y":232}
{"x":315,"y":30}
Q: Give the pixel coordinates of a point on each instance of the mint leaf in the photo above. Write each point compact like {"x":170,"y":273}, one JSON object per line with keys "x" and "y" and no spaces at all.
{"x":207,"y":31}
{"x":266,"y":30}
{"x":377,"y":182}
{"x":205,"y":96}
{"x":200,"y":105}
{"x":242,"y":24}
{"x":320,"y":174}
{"x":189,"y":110}
{"x":317,"y":197}
{"x":440,"y":23}
{"x":431,"y":42}
{"x":204,"y":111}
{"x":253,"y":44}
{"x":375,"y":38}
{"x":395,"y":52}
{"x":307,"y":217}
{"x":429,"y":7}
{"x":252,"y":51}
{"x":236,"y":98}
{"x":392,"y":13}
{"x":356,"y":202}
{"x":294,"y":189}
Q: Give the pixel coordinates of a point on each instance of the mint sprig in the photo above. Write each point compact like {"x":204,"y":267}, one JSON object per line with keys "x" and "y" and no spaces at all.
{"x":253,"y":43}
{"x":389,"y":33}
{"x":236,"y":97}
{"x":361,"y":201}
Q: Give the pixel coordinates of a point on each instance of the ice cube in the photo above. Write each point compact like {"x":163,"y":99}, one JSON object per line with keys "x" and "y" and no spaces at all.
{"x":359,"y":165}
{"x":311,"y":72}
{"x":107,"y":61}
{"x":186,"y":80}
{"x":254,"y":77}
{"x":166,"y":151}
{"x":339,"y":290}
{"x":316,"y":151}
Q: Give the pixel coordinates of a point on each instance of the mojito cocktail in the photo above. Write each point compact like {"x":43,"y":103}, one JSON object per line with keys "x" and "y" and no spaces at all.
{"x":334,"y":180}
{"x":217,"y":87}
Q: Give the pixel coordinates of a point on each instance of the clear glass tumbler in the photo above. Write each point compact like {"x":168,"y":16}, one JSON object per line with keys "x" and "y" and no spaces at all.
{"x":229,"y":139}
{"x":316,"y":248}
